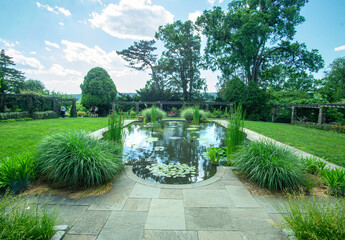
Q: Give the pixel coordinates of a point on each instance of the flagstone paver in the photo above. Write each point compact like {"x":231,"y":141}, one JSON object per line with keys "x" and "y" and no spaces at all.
{"x":91,"y":222}
{"x":166,"y":214}
{"x":123,"y":225}
{"x":137,"y":204}
{"x":169,"y":235}
{"x":171,"y":193}
{"x":241,"y":197}
{"x":220,"y":235}
{"x":143,"y":191}
{"x":207,"y":198}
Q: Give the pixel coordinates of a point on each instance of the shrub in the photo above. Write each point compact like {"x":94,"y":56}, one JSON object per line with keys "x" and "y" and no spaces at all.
{"x":115,"y":126}
{"x":269,"y":165}
{"x":21,"y":219}
{"x":16,"y":172}
{"x":314,"y":218}
{"x":335,"y":180}
{"x":78,"y":160}
{"x":188,"y":114}
{"x":234,"y":132}
{"x":147,"y":114}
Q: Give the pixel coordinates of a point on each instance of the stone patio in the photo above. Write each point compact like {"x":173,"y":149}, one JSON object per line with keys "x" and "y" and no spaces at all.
{"x":221,"y":208}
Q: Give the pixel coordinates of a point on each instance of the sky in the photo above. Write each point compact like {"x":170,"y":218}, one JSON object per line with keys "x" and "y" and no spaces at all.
{"x":59,"y":41}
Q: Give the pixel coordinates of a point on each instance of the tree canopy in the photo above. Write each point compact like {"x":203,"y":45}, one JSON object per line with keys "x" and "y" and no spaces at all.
{"x":181,"y":59}
{"x":34,"y":85}
{"x":255,"y":35}
{"x":12,"y":80}
{"x":333,"y":84}
{"x":98,"y":90}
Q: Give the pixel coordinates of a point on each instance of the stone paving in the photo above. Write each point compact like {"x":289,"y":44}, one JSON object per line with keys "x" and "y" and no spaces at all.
{"x":218,"y":208}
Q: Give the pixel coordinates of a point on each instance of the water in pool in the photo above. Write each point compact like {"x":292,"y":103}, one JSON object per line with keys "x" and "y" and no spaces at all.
{"x":172,"y":151}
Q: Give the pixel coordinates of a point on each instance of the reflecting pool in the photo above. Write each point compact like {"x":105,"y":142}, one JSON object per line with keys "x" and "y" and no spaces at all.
{"x":171,"y":152}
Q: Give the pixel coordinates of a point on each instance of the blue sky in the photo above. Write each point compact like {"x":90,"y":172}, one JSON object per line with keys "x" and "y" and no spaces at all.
{"x":59,"y":41}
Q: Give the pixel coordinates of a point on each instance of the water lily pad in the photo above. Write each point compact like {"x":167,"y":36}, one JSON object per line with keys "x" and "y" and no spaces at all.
{"x":194,"y":126}
{"x":202,"y":139}
{"x":192,"y":129}
{"x":175,"y":138}
{"x":153,"y":139}
{"x":171,"y":170}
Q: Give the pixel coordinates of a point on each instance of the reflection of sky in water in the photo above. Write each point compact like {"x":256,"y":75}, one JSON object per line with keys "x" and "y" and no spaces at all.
{"x":180,"y":145}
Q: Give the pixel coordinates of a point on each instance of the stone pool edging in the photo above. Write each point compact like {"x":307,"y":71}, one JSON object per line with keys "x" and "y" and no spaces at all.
{"x":219,"y":174}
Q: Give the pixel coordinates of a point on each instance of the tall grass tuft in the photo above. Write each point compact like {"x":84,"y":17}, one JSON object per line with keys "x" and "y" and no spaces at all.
{"x":157,"y":113}
{"x":234,"y":133}
{"x":153,"y":114}
{"x":188,"y":114}
{"x":311,"y":219}
{"x":21,"y":219}
{"x":196,"y":115}
{"x":270,"y":166}
{"x":16,"y":172}
{"x":335,"y":180}
{"x":115,"y":127}
{"x":76,"y":159}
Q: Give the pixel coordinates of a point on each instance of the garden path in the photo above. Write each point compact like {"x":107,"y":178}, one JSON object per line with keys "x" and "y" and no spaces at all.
{"x":218,"y":208}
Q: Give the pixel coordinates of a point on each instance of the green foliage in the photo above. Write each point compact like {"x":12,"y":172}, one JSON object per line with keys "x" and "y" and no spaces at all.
{"x":180,"y":61}
{"x":313,"y":165}
{"x":333,"y":84}
{"x":115,"y":127}
{"x":34,"y":85}
{"x":153,"y":114}
{"x":98,"y":90}
{"x":314,"y":218}
{"x":76,"y":159}
{"x":158,"y":113}
{"x":16,"y":172}
{"x":12,"y":80}
{"x":252,"y":36}
{"x":196,"y":115}
{"x":234,"y":132}
{"x":215,"y":154}
{"x":335,"y":180}
{"x":270,"y":166}
{"x":21,"y":219}
{"x":187,"y":114}
{"x":326,"y":127}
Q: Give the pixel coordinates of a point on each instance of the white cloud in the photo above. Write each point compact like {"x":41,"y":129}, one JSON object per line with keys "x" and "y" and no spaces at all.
{"x":19,"y":58}
{"x":47,"y":48}
{"x":131,"y":19}
{"x":56,"y":9}
{"x":82,"y":21}
{"x":96,"y":56}
{"x":6,"y":43}
{"x":340,"y":48}
{"x":59,"y":70}
{"x":193,"y":16}
{"x":33,"y":52}
{"x":220,"y":1}
{"x":61,"y":23}
{"x":51,"y":44}
{"x":211,"y":1}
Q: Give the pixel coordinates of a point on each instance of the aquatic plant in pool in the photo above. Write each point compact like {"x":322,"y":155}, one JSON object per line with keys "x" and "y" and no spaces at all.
{"x":174,"y":155}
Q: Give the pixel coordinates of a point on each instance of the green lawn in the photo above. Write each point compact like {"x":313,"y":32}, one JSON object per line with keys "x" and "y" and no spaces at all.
{"x":325,"y":144}
{"x":16,"y":137}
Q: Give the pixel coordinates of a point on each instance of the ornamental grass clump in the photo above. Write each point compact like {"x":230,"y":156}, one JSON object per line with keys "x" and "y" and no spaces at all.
{"x":188,"y":114}
{"x":153,"y":114}
{"x":21,"y":219}
{"x":313,"y":218}
{"x":196,"y":115}
{"x":234,"y":132}
{"x":115,"y":127}
{"x":270,"y":166}
{"x":16,"y":172}
{"x":76,"y":159}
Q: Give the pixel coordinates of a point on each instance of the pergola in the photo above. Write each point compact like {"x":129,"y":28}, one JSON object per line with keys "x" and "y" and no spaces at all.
{"x":321,"y":106}
{"x":182,"y":103}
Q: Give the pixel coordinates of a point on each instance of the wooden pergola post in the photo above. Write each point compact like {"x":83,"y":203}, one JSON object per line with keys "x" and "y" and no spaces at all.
{"x":207,"y":107}
{"x":293,"y":114}
{"x":137,"y":107}
{"x":74,"y":108}
{"x":161,"y":106}
{"x":274,"y":113}
{"x":322,"y":116}
{"x":2,"y":104}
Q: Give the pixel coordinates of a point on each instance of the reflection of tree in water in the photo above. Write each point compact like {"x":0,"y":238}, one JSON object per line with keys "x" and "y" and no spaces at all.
{"x":187,"y":150}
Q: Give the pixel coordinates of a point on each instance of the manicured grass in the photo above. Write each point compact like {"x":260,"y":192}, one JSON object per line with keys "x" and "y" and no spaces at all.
{"x":18,"y":137}
{"x":325,"y":144}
